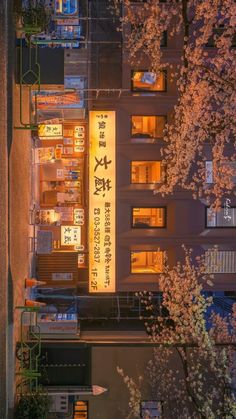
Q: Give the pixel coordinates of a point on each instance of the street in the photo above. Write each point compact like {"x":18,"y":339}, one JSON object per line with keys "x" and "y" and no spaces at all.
{"x":15,"y":192}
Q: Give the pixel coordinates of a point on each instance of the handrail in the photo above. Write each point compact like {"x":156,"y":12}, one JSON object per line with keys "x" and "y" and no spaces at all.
{"x":29,"y":354}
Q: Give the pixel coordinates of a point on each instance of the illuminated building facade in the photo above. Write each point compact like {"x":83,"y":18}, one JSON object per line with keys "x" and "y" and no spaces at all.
{"x":100,"y":227}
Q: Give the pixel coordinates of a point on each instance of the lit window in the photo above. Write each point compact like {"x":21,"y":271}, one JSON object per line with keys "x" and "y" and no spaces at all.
{"x":68,"y":7}
{"x":81,"y":410}
{"x":146,"y":171}
{"x":147,"y":128}
{"x":151,"y":410}
{"x":145,"y":262}
{"x":148,"y":217}
{"x":225,"y":217}
{"x":220,"y":261}
{"x":146,"y":81}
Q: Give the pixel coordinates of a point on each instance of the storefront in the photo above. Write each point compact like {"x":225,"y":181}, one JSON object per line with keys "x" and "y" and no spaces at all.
{"x":75,"y":210}
{"x":61,"y":208}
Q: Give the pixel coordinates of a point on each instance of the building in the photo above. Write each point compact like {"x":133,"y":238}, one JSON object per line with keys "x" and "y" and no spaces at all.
{"x":105,"y":96}
{"x":100,"y":231}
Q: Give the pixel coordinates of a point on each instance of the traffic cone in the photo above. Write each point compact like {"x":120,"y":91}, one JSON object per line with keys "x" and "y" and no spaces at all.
{"x":33,"y":282}
{"x":32,"y":303}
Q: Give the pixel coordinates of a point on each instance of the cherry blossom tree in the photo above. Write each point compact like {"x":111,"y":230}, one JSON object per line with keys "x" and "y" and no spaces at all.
{"x":202,"y":127}
{"x":192,"y":367}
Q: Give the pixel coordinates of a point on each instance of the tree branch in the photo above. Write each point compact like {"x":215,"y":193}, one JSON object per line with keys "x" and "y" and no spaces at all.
{"x":187,"y":384}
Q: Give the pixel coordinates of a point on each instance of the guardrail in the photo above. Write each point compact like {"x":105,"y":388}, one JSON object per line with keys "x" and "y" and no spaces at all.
{"x":29,"y":77}
{"x":28,"y":352}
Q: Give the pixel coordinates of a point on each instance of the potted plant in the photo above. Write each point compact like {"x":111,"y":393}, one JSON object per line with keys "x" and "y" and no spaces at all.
{"x":34,"y":405}
{"x":32,"y":15}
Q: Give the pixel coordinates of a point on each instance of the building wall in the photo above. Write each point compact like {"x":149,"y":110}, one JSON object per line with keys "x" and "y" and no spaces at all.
{"x":186,"y":221}
{"x":105,"y":360}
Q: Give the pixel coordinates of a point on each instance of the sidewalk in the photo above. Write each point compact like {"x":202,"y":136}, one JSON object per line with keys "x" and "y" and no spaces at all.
{"x":20,"y":204}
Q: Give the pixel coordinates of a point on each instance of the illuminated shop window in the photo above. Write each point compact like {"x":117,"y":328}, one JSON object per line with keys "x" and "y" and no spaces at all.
{"x":209,"y":171}
{"x":68,"y":31}
{"x":66,"y":7}
{"x":147,"y":128}
{"x":146,"y":81}
{"x":81,"y":410}
{"x":148,"y":217}
{"x":146,"y":172}
{"x":151,"y":410}
{"x":225,"y":217}
{"x":145,"y":262}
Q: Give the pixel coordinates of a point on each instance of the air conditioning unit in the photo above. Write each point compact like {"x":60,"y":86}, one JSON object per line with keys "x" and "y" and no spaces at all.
{"x":59,"y":404}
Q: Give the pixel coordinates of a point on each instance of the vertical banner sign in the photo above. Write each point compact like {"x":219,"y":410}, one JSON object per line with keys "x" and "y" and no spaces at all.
{"x":102,"y":191}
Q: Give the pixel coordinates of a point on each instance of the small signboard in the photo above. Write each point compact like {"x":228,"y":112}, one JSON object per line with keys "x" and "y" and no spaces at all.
{"x":46,"y":217}
{"x":50,"y":131}
{"x":70,"y":235}
{"x":79,"y":216}
{"x":59,"y":323}
{"x":44,"y":154}
{"x":62,"y":276}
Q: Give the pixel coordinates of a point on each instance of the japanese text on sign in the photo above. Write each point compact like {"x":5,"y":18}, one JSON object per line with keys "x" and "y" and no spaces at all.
{"x":50,"y":131}
{"x":102,"y":185}
{"x":70,"y":235}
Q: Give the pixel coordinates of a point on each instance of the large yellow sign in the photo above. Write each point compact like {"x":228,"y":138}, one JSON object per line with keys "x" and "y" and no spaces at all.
{"x":102,"y":191}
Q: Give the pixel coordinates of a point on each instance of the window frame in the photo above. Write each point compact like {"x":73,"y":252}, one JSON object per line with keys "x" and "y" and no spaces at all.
{"x":147,"y":251}
{"x":164,"y":40}
{"x":210,"y":174}
{"x":149,"y":228}
{"x":218,"y":31}
{"x":63,"y":11}
{"x":87,"y":404}
{"x":133,"y":90}
{"x":210,"y":269}
{"x":149,"y":183}
{"x":148,"y":401}
{"x":213,"y":227}
{"x":151,"y":138}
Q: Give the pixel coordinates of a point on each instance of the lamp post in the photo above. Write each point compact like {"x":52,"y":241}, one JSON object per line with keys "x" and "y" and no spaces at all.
{"x":93,"y":390}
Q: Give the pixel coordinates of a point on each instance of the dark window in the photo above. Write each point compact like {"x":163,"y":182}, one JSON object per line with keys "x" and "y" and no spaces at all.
{"x":231,"y":165}
{"x":220,"y":261}
{"x":224,"y":218}
{"x":151,"y":410}
{"x":218,"y":32}
{"x":137,"y":28}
